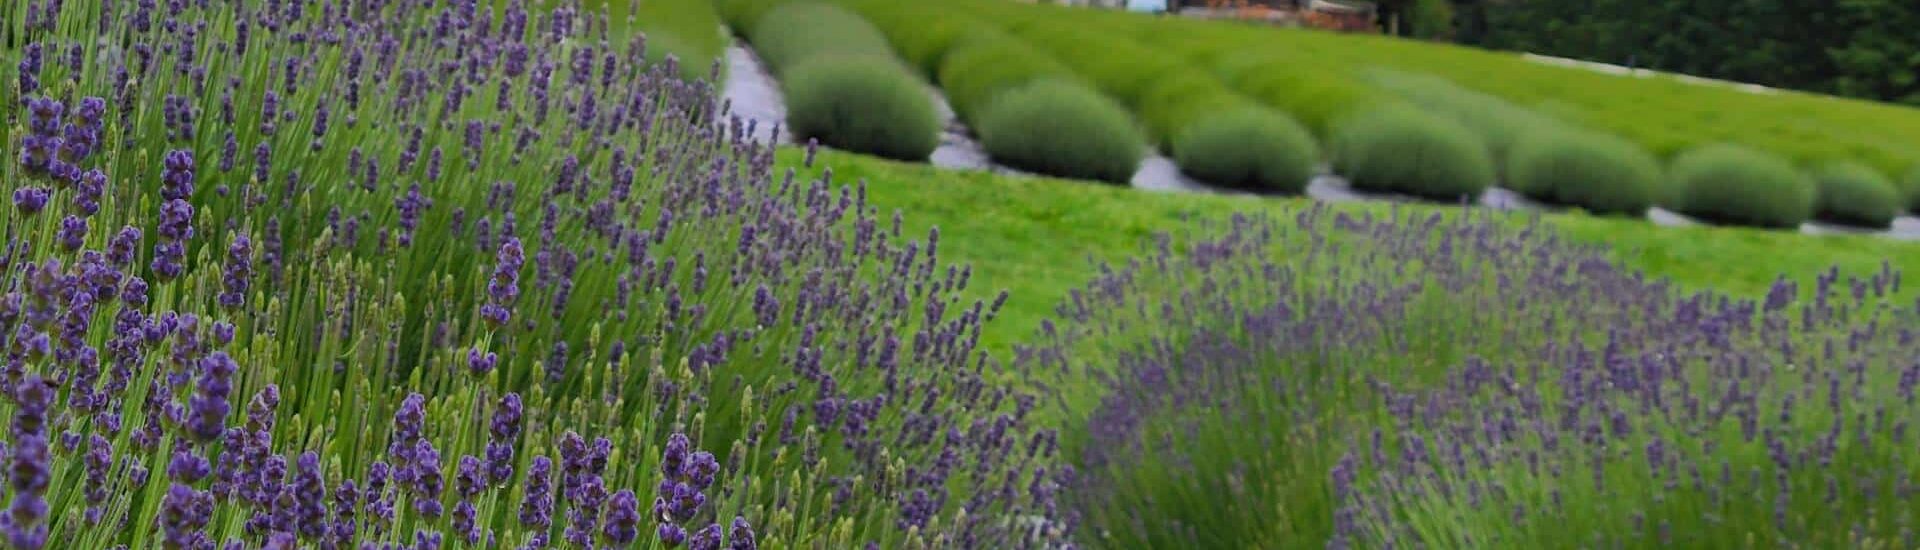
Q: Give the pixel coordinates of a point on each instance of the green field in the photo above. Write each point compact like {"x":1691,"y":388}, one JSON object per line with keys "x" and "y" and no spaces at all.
{"x":420,"y":275}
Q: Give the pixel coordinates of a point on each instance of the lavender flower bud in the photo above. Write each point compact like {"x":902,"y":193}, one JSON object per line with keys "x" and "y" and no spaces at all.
{"x":623,"y":519}
{"x":740,"y":535}
{"x":73,"y":233}
{"x":707,"y":538}
{"x":30,"y":200}
{"x":176,"y":175}
{"x":536,"y":507}
{"x":239,"y":271}
{"x":209,"y":403}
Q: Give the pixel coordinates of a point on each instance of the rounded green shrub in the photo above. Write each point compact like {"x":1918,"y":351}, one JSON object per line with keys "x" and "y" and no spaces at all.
{"x":860,"y":103}
{"x":1400,"y":150}
{"x":986,"y":63}
{"x":1855,"y":194}
{"x":1318,"y":99}
{"x":1248,"y":148}
{"x":1061,"y":128}
{"x":1498,"y":123}
{"x":1182,"y":100}
{"x":1598,"y":172}
{"x":1732,"y":184}
{"x":794,"y":32}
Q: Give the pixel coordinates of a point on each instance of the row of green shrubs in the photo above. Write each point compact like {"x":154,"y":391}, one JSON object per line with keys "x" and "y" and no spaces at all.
{"x":1421,"y":135}
{"x":843,"y":85}
{"x":1026,"y":83}
{"x":1415,"y":134}
{"x":1030,"y":111}
{"x":1214,"y":134}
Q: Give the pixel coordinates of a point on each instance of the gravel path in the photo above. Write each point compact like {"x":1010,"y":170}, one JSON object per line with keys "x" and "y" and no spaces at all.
{"x":958,"y":149}
{"x":1906,"y":228}
{"x":754,"y":95}
{"x":1158,"y":173}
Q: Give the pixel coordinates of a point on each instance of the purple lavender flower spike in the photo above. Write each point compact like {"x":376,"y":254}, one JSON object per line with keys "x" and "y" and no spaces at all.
{"x":504,"y":430}
{"x":186,"y":467}
{"x":176,"y":175}
{"x":124,"y":245}
{"x":740,"y":535}
{"x":30,"y":200}
{"x":623,"y":519}
{"x":183,"y":513}
{"x":30,"y":473}
{"x":504,"y":287}
{"x":536,"y":507}
{"x":671,"y":535}
{"x":707,"y":538}
{"x":238,"y":272}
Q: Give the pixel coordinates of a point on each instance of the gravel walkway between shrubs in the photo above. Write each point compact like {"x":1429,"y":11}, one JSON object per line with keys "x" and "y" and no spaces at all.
{"x":754,"y":94}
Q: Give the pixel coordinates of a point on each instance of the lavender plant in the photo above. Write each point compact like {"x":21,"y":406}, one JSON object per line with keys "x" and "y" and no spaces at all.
{"x":422,"y":274}
{"x":1359,"y":381}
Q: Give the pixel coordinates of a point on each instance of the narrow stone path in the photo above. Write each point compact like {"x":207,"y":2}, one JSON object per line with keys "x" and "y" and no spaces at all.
{"x":958,"y":149}
{"x":754,"y":95}
{"x":1159,"y":173}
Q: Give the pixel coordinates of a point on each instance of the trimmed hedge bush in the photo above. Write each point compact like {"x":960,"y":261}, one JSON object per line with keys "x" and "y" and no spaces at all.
{"x":1122,"y":69}
{"x":1061,"y":128}
{"x":1318,"y":100}
{"x":1183,"y":98}
{"x":1251,"y":148}
{"x":1400,"y":150}
{"x":988,"y":62}
{"x":1736,"y":185}
{"x":1498,"y":123}
{"x":795,"y":32}
{"x":864,"y":104}
{"x":842,"y":83}
{"x":1179,"y":107}
{"x":1854,"y":194}
{"x":1598,"y":172}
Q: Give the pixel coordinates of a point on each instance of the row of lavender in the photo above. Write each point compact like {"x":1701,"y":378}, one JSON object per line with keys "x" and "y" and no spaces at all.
{"x":420,"y":274}
{"x":1413,"y":381}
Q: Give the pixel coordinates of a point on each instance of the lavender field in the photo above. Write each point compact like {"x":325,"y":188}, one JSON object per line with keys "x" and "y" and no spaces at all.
{"x":385,"y":274}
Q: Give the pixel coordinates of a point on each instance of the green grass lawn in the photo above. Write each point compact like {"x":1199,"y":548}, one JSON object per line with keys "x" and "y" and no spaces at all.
{"x":1040,"y":237}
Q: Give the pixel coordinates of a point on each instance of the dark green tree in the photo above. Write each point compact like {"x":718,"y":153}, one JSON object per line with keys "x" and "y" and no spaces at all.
{"x":1860,"y":48}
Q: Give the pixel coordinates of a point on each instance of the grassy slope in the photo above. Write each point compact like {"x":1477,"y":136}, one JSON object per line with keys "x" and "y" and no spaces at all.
{"x":1035,"y":236}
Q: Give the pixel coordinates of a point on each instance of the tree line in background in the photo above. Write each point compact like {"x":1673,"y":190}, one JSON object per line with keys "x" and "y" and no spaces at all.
{"x":1857,"y":48}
